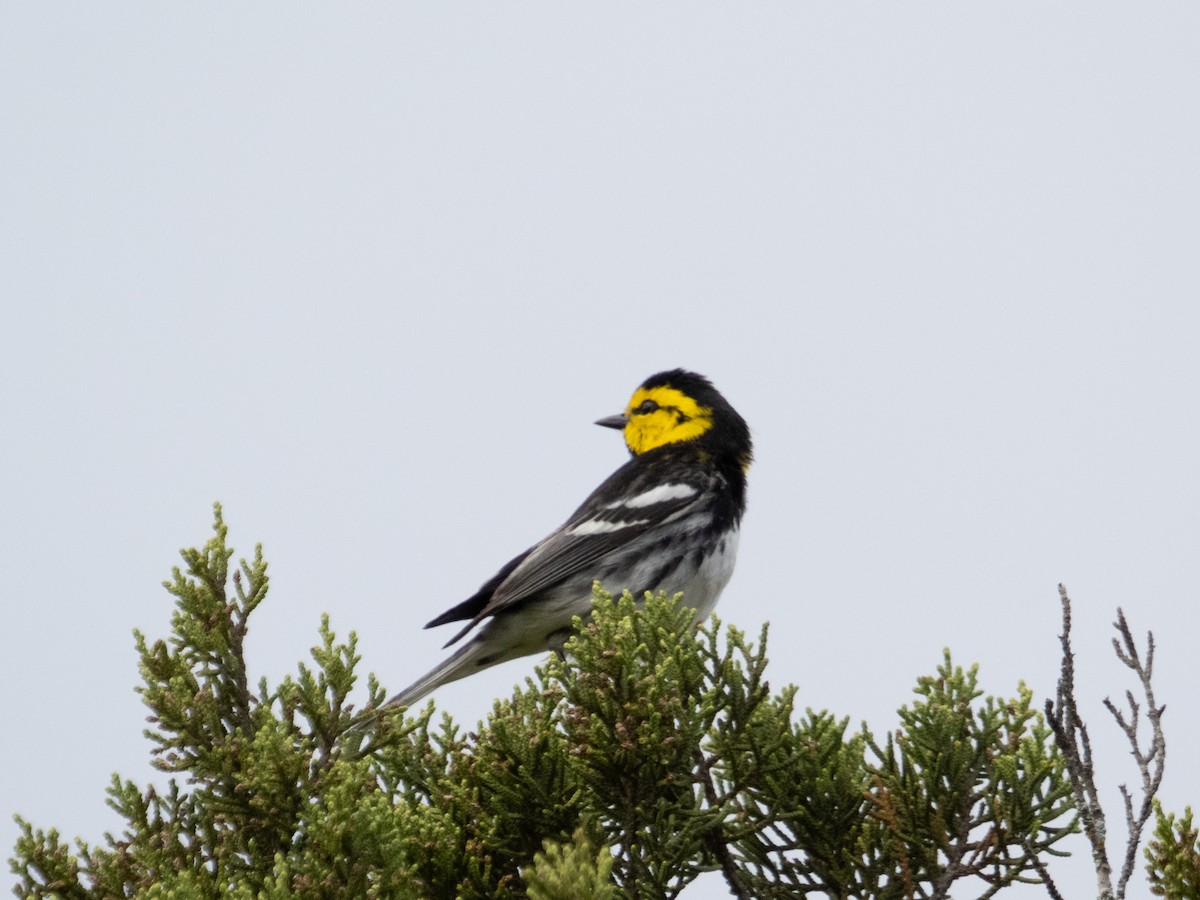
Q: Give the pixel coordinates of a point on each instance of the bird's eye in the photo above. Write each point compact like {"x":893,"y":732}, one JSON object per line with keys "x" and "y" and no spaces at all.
{"x":648,"y":406}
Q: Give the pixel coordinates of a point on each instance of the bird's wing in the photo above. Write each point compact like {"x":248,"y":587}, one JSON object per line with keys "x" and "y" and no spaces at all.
{"x":607,"y":521}
{"x":475,"y":604}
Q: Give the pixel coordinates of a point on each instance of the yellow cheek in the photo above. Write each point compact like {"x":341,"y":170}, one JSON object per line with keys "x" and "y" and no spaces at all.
{"x":649,"y":430}
{"x":645,"y":431}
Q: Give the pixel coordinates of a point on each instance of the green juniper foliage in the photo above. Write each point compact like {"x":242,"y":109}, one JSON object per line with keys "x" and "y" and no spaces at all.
{"x":658,"y":752}
{"x":574,"y":871}
{"x":1173,"y":856}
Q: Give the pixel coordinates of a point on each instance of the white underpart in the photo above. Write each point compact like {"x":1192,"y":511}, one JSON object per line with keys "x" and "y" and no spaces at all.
{"x":658,"y":494}
{"x":600,"y":526}
{"x":702,"y":585}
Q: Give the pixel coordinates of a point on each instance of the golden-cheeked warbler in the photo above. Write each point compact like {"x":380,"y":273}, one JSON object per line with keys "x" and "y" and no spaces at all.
{"x":666,"y":520}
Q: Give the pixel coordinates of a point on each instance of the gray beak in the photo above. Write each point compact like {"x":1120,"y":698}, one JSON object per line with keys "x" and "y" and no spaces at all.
{"x":617,"y":421}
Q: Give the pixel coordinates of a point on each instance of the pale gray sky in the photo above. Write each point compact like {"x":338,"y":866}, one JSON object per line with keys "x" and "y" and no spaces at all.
{"x":367,"y":275}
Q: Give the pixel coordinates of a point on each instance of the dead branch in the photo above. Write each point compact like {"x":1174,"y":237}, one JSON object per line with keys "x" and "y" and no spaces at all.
{"x":1150,"y":762}
{"x":1070,"y":733}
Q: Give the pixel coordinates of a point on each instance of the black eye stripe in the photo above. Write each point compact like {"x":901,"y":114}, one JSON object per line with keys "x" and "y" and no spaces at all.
{"x":648,"y":406}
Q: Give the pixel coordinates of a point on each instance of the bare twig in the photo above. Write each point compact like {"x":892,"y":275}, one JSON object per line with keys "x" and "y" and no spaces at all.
{"x":1070,"y":733}
{"x":1150,"y":763}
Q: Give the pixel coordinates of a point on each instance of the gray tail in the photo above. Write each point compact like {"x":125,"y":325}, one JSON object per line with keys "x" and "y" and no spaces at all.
{"x":459,"y":665}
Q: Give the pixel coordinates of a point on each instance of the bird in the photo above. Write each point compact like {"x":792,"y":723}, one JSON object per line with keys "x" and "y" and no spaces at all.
{"x":668,"y":519}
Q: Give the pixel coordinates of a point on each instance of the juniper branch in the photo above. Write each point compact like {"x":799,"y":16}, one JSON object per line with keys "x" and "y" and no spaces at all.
{"x":1043,"y":872}
{"x":714,"y":838}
